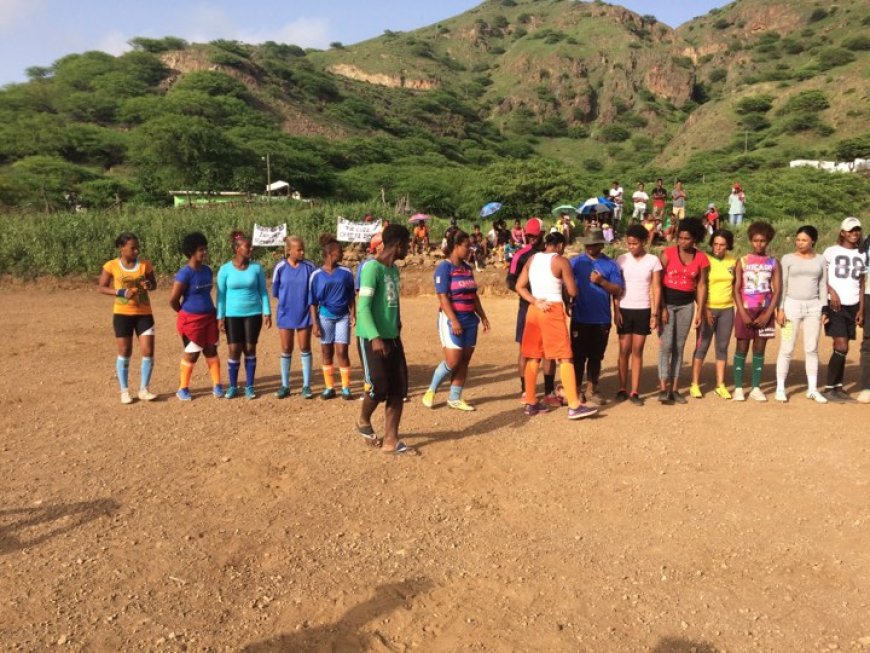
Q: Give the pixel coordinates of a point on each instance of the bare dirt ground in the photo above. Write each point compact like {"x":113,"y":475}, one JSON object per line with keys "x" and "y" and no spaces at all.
{"x":269,"y":526}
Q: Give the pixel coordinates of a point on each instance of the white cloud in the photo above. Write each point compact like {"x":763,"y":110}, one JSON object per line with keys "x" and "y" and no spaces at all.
{"x":114,"y":43}
{"x":212,"y":23}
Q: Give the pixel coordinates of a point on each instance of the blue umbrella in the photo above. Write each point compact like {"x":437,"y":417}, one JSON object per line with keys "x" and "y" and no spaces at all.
{"x":489,"y":209}
{"x":596,"y":205}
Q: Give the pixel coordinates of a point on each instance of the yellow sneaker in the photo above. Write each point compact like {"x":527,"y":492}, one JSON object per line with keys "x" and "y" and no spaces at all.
{"x":722,"y":391}
{"x":429,"y":399}
{"x":459,"y":404}
{"x":695,"y":391}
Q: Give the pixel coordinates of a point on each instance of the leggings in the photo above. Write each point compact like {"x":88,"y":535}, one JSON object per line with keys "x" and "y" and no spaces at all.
{"x":672,"y":337}
{"x":797,"y":312}
{"x":723,"y":323}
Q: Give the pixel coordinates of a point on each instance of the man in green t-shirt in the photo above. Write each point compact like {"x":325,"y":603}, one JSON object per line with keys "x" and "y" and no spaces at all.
{"x":377,"y":327}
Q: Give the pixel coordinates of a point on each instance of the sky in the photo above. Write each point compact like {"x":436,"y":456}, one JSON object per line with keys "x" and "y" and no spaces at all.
{"x":38,"y":32}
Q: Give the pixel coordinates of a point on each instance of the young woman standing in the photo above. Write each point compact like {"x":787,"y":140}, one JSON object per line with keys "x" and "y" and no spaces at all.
{"x":129,"y":279}
{"x":459,"y":314}
{"x":197,"y":319}
{"x":719,"y":315}
{"x":804,"y":297}
{"x":242,"y":309}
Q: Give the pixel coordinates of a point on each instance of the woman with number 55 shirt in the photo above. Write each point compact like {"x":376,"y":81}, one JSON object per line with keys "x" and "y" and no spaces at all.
{"x":846,"y":278}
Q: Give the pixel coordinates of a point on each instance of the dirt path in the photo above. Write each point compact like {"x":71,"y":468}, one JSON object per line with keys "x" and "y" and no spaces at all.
{"x":269,"y":526}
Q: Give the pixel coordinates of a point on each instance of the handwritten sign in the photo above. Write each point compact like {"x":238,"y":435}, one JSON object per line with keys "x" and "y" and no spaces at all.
{"x":356,"y":232}
{"x":269,"y":236}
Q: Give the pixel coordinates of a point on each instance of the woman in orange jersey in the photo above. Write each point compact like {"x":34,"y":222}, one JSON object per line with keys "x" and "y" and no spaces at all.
{"x":129,"y":279}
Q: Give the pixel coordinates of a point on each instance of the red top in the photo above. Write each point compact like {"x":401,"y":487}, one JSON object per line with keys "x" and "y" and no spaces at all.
{"x":683,"y":278}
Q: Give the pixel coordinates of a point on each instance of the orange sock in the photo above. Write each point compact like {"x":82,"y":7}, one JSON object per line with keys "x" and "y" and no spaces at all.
{"x":214,"y":369}
{"x":329,"y":376}
{"x":566,"y":372}
{"x":531,"y":377}
{"x":186,"y":373}
{"x":345,"y":376}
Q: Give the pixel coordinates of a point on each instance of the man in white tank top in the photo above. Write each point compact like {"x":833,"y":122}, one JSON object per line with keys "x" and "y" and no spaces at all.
{"x":545,"y":335}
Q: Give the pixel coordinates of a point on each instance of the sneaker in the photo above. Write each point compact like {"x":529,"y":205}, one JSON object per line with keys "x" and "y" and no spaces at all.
{"x":429,"y":399}
{"x":306,"y":392}
{"x":283,"y":392}
{"x":622,"y":395}
{"x":218,"y":390}
{"x":329,"y":393}
{"x":250,"y":393}
{"x":677,"y":398}
{"x":126,"y":398}
{"x":232,"y":392}
{"x":459,"y":404}
{"x":864,"y":397}
{"x":781,"y":397}
{"x":183,"y":394}
{"x":665,"y":397}
{"x":757,"y":394}
{"x":833,"y":397}
{"x":581,"y":411}
{"x":346,"y":394}
{"x":552,"y":400}
{"x":738,"y":395}
{"x":817,"y":396}
{"x":722,"y":392}
{"x":843,"y":395}
{"x":635,"y":399}
{"x":695,"y":391}
{"x":146,"y":395}
{"x":597,"y":399}
{"x":535,"y":409}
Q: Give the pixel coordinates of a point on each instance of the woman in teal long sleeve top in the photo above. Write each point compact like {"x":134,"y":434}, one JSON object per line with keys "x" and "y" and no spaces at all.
{"x":242,"y":309}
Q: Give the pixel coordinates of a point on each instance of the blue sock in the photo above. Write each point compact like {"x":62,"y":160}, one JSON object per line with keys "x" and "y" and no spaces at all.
{"x":455,"y":392}
{"x":441,"y":372}
{"x":285,"y":369}
{"x":306,"y":369}
{"x":250,"y":370}
{"x":145,"y":371}
{"x":233,"y":369}
{"x":122,"y":368}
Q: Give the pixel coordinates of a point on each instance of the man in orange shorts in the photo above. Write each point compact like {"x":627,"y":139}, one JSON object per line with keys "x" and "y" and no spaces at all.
{"x":546,"y":333}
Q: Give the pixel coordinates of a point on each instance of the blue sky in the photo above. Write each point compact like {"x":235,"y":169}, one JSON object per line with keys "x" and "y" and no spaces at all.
{"x":37,"y":32}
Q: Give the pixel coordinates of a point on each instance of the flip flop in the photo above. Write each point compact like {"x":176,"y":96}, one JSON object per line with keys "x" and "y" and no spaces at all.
{"x":366,"y":431}
{"x":402,"y":448}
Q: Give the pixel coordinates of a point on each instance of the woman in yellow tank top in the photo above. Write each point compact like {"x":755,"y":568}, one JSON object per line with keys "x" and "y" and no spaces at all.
{"x":719,"y":315}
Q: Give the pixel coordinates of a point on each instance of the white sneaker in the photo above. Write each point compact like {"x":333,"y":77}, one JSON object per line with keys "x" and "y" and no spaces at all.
{"x":126,"y":398}
{"x":147,"y":395}
{"x":781,"y":397}
{"x":864,"y":397}
{"x":757,"y":395}
{"x":816,"y":396}
{"x":738,"y":395}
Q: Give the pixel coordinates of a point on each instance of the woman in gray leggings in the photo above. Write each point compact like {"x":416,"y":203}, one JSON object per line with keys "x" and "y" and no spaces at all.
{"x":684,"y":285}
{"x":804,"y":294}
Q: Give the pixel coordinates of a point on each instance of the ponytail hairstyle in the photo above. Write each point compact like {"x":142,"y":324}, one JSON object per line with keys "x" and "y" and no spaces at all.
{"x":327,"y":243}
{"x":554,"y":238}
{"x":810,"y":231}
{"x":455,"y":238}
{"x":237,"y":238}
{"x":292,"y":239}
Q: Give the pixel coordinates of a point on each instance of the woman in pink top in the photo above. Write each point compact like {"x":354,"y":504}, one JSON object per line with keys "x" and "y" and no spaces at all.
{"x":684,"y":285}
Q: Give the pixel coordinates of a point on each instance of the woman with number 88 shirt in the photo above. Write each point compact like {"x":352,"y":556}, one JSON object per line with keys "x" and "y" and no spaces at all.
{"x":846,"y":278}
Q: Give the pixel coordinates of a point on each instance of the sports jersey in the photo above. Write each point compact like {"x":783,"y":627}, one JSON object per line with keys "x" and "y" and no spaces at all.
{"x":720,"y":288}
{"x":333,"y":293}
{"x":196,"y":298}
{"x":679,"y":281}
{"x":130,"y":278}
{"x":845,"y":268}
{"x":290,"y":286}
{"x":457,"y":282}
{"x":378,"y":305}
{"x":518,"y":262}
{"x":756,"y":291}
{"x":242,"y":293}
{"x":659,"y":196}
{"x":592,"y":303}
{"x":637,"y":275}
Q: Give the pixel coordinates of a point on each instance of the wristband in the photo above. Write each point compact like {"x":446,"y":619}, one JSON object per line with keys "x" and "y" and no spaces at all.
{"x":121,"y":292}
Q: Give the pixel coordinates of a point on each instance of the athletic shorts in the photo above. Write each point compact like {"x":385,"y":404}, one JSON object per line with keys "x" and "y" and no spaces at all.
{"x":841,"y":324}
{"x":546,"y":334}
{"x":466,"y":340}
{"x":387,"y":375}
{"x":521,"y":322}
{"x":635,"y":321}
{"x":679,"y":212}
{"x":241,"y":330}
{"x":334,"y":329}
{"x":126,"y":325}
{"x":743,"y":332}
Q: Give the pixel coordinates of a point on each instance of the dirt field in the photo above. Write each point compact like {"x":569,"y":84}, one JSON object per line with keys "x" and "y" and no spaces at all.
{"x":269,"y":526}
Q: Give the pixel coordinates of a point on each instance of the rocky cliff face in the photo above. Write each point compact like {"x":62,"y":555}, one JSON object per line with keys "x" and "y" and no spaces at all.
{"x":390,"y":81}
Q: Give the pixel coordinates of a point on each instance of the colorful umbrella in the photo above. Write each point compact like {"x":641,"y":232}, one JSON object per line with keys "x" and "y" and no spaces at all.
{"x":596,"y":205}
{"x":567,"y":209}
{"x":418,"y":217}
{"x":489,"y":209}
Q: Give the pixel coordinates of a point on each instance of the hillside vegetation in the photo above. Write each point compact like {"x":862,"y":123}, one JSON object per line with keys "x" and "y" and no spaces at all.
{"x":446,"y":115}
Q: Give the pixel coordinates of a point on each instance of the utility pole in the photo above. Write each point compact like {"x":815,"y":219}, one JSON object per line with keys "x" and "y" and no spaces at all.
{"x":745,"y":142}
{"x":268,"y":175}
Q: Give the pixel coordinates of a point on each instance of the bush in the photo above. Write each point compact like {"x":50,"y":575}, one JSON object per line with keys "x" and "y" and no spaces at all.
{"x":614,"y":134}
{"x":833,"y":57}
{"x":801,"y":122}
{"x":754,"y":104}
{"x":718,"y":75}
{"x":722,"y":23}
{"x":754,"y":122}
{"x":805,"y":101}
{"x":861,"y":42}
{"x":593,"y":165}
{"x":854,"y":148}
{"x":817,"y":15}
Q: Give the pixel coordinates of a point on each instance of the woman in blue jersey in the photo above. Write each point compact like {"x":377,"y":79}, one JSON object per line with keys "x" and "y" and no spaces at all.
{"x":332,"y":297}
{"x":290,"y":285}
{"x":242,"y":309}
{"x":458,"y":317}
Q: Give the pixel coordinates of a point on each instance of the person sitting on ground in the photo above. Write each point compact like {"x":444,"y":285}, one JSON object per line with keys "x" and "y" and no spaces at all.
{"x":711,"y":218}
